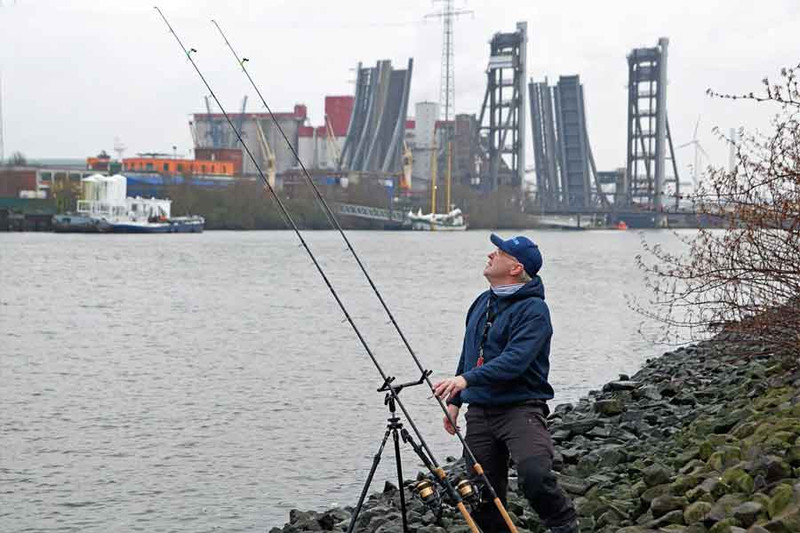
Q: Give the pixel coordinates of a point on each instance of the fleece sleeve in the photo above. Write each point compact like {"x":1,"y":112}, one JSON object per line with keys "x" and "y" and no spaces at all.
{"x":529,"y":333}
{"x":456,"y":399}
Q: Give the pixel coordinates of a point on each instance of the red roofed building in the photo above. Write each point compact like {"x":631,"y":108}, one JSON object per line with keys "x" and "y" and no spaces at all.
{"x":320,"y":146}
{"x":314,"y":145}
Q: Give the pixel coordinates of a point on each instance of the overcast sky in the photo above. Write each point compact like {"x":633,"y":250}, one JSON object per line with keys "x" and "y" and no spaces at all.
{"x":78,"y":73}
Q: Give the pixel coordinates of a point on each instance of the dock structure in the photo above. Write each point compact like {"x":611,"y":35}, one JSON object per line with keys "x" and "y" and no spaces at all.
{"x":646,"y":181}
{"x":501,"y":122}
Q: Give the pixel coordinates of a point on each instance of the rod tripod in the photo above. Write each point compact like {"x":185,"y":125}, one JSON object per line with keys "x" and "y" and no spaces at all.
{"x":394,"y":427}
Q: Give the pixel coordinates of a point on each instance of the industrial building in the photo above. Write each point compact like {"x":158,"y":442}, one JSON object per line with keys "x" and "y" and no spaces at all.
{"x":318,"y":147}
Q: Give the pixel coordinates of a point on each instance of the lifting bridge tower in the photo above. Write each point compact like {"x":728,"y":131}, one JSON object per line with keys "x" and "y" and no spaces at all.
{"x":648,"y":131}
{"x":502,"y":117}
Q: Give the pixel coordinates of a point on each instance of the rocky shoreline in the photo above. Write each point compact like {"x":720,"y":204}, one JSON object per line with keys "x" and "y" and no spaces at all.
{"x":702,"y":439}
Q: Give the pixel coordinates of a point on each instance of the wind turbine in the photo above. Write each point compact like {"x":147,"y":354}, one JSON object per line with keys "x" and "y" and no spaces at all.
{"x":698,"y":149}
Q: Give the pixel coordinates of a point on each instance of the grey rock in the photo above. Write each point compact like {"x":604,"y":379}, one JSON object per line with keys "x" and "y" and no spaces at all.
{"x":572,"y":455}
{"x":580,"y":427}
{"x":672,"y":517}
{"x":390,"y":527}
{"x":648,"y":392}
{"x":563,"y":408}
{"x":296,"y":515}
{"x":666,"y":503}
{"x":329,"y":519}
{"x":632,"y":415}
{"x":654,"y":492}
{"x":574,"y":485}
{"x":684,"y":398}
{"x":561,"y":435}
{"x":656,"y":475}
{"x":747,"y":513}
{"x":724,"y":506}
{"x":609,"y":407}
{"x":600,"y":432}
{"x":669,"y":389}
{"x":621,"y":385}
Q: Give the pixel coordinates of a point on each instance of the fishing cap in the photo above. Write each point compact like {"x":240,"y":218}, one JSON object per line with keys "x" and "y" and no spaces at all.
{"x":522,"y":249}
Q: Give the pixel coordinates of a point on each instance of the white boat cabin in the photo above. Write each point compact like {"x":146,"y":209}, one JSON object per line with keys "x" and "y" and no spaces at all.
{"x":106,"y":197}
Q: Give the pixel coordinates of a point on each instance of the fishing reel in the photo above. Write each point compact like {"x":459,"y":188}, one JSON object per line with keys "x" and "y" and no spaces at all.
{"x":428,"y":493}
{"x":469,"y":491}
{"x":433,"y":498}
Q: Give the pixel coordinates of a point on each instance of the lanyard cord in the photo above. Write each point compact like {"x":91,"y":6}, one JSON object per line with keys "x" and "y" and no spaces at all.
{"x":491,"y":314}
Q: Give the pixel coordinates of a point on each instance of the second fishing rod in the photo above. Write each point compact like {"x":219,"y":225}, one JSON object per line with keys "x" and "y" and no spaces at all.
{"x":430,"y":460}
{"x":335,"y":223}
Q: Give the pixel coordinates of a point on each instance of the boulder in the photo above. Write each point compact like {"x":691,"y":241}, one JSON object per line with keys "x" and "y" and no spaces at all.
{"x":656,"y":474}
{"x":608,"y":407}
{"x":723,"y":507}
{"x":781,"y":498}
{"x":786,"y":523}
{"x":747,"y":513}
{"x":696,"y":512}
{"x":666,"y":503}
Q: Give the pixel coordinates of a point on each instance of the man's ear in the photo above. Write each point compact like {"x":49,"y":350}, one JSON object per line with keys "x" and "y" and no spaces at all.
{"x":517,"y":269}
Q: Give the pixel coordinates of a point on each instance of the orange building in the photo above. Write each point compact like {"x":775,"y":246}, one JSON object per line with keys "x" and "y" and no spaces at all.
{"x":179,"y":166}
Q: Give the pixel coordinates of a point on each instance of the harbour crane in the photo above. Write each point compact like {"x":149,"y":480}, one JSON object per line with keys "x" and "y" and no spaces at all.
{"x":334,"y":146}
{"x":240,"y":118}
{"x":269,"y":155}
{"x":214,"y":127}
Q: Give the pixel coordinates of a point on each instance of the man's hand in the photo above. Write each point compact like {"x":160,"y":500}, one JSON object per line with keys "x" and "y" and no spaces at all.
{"x":449,"y":387}
{"x":452,"y":410}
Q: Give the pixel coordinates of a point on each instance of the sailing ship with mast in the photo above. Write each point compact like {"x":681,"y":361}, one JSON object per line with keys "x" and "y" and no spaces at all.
{"x":453,"y":219}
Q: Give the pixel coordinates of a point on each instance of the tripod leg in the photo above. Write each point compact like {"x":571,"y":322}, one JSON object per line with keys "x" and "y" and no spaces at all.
{"x":375,"y":461}
{"x":400,"y":480}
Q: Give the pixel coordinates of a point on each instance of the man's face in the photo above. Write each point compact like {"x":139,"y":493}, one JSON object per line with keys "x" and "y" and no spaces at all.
{"x":501,"y":266}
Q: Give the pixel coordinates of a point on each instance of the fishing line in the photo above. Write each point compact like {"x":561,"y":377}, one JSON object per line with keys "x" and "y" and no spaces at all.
{"x":335,"y":223}
{"x":386,"y":379}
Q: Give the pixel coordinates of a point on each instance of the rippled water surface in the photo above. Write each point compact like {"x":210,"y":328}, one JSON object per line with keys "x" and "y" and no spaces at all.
{"x":209,"y":382}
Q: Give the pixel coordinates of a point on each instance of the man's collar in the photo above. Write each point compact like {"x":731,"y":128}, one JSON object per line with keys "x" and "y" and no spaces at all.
{"x":505,"y":290}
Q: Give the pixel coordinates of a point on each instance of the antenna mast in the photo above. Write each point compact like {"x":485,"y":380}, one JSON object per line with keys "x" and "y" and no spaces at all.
{"x":447,"y":96}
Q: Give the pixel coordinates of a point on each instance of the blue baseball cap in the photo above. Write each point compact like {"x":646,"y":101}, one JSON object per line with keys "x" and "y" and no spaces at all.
{"x":523,"y":250}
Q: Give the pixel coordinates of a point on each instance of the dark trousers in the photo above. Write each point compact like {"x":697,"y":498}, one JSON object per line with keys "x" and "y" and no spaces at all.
{"x":519,"y":431}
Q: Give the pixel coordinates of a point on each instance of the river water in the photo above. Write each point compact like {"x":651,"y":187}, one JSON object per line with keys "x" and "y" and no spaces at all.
{"x":192,"y":383}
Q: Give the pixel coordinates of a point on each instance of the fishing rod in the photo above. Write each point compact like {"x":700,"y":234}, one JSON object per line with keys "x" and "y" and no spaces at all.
{"x":335,"y":223}
{"x":387,"y":381}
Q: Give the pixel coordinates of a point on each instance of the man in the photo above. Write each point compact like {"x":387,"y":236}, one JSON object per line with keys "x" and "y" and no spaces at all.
{"x":502,"y":375}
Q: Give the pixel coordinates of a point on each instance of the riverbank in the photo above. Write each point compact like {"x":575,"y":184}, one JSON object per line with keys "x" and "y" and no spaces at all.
{"x":705,"y":438}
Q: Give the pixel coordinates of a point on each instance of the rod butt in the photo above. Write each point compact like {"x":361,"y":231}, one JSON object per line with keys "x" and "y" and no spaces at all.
{"x":470,"y":522}
{"x":511,"y":527}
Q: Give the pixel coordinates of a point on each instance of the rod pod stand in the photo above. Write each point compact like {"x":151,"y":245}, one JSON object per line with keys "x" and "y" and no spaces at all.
{"x":394,"y":427}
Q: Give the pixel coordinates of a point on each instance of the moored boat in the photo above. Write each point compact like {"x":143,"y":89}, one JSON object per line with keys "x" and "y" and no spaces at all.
{"x":105,"y":208}
{"x":190,"y":224}
{"x":452,"y":221}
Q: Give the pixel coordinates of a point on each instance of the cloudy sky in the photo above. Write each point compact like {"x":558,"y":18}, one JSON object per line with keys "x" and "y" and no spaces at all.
{"x":78,"y":73}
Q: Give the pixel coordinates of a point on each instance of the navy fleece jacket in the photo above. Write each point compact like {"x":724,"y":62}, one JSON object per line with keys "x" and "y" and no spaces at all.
{"x":516,"y":353}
